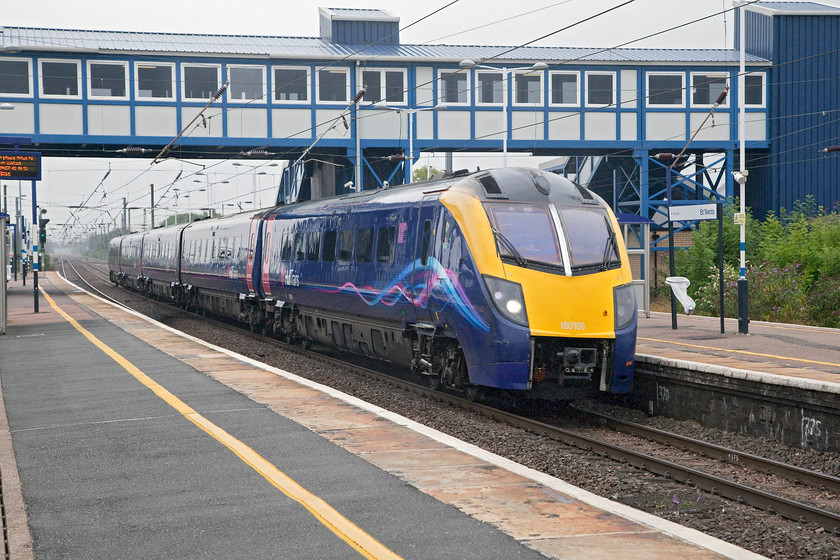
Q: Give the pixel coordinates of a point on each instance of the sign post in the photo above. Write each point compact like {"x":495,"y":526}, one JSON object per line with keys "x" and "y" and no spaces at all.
{"x":698,"y":212}
{"x":22,"y":166}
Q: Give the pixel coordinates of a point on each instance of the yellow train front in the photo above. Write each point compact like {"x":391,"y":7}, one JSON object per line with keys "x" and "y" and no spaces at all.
{"x":563,"y":317}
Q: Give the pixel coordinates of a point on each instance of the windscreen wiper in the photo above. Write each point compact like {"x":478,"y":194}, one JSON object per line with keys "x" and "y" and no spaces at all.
{"x":610,"y":244}
{"x":520,"y":260}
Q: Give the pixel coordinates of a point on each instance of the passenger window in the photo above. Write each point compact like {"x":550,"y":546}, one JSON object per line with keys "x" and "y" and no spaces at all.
{"x":286,"y":250}
{"x":385,"y":244}
{"x":328,"y":254}
{"x":313,"y":245}
{"x":427,"y":239}
{"x":299,"y":248}
{"x":345,"y":245}
{"x":364,"y":245}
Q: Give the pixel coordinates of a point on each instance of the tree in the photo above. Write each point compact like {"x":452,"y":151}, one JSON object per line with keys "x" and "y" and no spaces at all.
{"x":424,"y":173}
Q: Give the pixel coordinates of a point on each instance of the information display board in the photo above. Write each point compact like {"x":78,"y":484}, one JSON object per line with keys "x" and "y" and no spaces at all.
{"x":20,"y":165}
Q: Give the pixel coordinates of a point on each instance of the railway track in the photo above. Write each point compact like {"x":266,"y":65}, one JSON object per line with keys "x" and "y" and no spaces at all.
{"x":775,"y":487}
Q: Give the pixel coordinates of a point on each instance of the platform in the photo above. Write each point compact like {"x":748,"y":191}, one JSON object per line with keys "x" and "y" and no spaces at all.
{"x":139,"y":441}
{"x":785,"y":352}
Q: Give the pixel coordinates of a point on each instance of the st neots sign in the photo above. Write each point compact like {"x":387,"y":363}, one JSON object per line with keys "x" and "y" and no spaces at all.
{"x":20,"y":165}
{"x":684,"y":213}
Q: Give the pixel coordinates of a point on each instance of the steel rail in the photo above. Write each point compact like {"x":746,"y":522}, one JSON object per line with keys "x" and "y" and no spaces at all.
{"x":793,"y":473}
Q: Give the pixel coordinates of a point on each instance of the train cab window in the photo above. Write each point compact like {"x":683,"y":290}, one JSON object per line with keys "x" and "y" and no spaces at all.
{"x":286,"y":248}
{"x":364,"y":245}
{"x":385,"y":244}
{"x":299,"y":246}
{"x":328,"y":253}
{"x":427,"y":241}
{"x":345,"y":245}
{"x":313,"y":245}
{"x":525,"y":233}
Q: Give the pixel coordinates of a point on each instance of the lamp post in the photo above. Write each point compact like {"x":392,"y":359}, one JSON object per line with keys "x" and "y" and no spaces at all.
{"x":254,"y":181}
{"x":410,"y":111}
{"x":468,"y":64}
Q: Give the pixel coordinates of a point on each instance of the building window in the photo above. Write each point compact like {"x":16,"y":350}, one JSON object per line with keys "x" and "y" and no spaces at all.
{"x":528,"y":88}
{"x":155,"y":81}
{"x":291,"y":84}
{"x":200,"y":81}
{"x":108,"y":79}
{"x":333,"y":85}
{"x":489,"y":88}
{"x":246,"y":83}
{"x":666,"y":90}
{"x":454,"y":87}
{"x":706,"y":88}
{"x":60,"y":79}
{"x":16,"y":76}
{"x":564,"y":88}
{"x":754,"y":89}
{"x":387,"y":85}
{"x":600,"y":88}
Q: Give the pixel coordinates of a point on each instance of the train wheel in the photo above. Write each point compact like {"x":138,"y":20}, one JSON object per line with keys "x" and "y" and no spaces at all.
{"x":474,"y":393}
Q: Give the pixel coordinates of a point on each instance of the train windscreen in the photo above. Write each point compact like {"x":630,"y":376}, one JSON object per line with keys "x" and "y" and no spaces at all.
{"x":544,"y":234}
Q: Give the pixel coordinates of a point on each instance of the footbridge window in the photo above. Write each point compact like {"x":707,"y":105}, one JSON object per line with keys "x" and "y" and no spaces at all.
{"x":291,"y":85}
{"x":16,"y":76}
{"x":60,"y":78}
{"x":600,"y":88}
{"x":564,"y":88}
{"x":666,"y":89}
{"x":200,"y":81}
{"x":246,"y":83}
{"x":333,"y":85}
{"x":108,"y":80}
{"x":155,"y":80}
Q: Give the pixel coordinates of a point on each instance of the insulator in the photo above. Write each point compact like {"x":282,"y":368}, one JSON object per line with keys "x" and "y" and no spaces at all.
{"x":358,"y":96}
{"x":219,"y":92}
{"x":397,"y":157}
{"x":831,"y":149}
{"x":257,"y":153}
{"x":722,"y":97}
{"x":133,"y":150}
{"x":664,"y":156}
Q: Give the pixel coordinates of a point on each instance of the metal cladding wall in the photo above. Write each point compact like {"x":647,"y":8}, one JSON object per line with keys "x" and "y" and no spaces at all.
{"x":804,"y":110}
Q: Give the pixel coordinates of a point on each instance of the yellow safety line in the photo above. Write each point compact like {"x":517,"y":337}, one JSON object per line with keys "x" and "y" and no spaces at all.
{"x":742,"y":352}
{"x":365,"y":544}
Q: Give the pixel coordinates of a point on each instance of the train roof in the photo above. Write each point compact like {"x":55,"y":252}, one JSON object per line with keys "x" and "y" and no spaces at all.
{"x":518,"y":184}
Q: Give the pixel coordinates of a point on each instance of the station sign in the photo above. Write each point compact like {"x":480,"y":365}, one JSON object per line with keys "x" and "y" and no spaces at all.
{"x":20,"y":165}
{"x":690,"y":212}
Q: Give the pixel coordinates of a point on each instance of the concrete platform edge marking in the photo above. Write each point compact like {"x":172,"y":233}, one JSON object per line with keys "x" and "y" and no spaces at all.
{"x":670,"y":528}
{"x":358,"y":539}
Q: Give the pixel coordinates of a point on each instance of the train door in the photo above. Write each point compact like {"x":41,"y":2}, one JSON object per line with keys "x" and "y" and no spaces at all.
{"x":254,"y":255}
{"x":424,"y":264}
{"x":268,"y":230}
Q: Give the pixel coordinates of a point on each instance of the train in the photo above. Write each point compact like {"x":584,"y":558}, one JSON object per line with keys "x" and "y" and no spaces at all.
{"x":507,"y":281}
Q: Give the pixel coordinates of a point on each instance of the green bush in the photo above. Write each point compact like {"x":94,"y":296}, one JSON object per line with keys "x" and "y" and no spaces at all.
{"x":793,"y":265}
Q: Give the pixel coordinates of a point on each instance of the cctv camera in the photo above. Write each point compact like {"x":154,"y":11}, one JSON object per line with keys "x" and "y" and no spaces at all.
{"x":348,"y":185}
{"x":740,"y":178}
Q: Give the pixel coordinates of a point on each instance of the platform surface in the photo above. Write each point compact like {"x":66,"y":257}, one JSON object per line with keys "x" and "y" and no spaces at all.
{"x":777,"y":349}
{"x":134,"y":441}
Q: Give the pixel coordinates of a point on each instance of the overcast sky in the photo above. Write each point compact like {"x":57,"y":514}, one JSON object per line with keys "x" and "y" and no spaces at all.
{"x":462,"y":22}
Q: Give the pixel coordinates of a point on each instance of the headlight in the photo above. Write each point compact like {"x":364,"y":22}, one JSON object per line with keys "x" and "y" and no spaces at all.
{"x":508,"y":299}
{"x":625,"y":305}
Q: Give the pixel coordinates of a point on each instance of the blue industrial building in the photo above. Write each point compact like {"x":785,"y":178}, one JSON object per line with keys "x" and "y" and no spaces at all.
{"x":351,"y":104}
